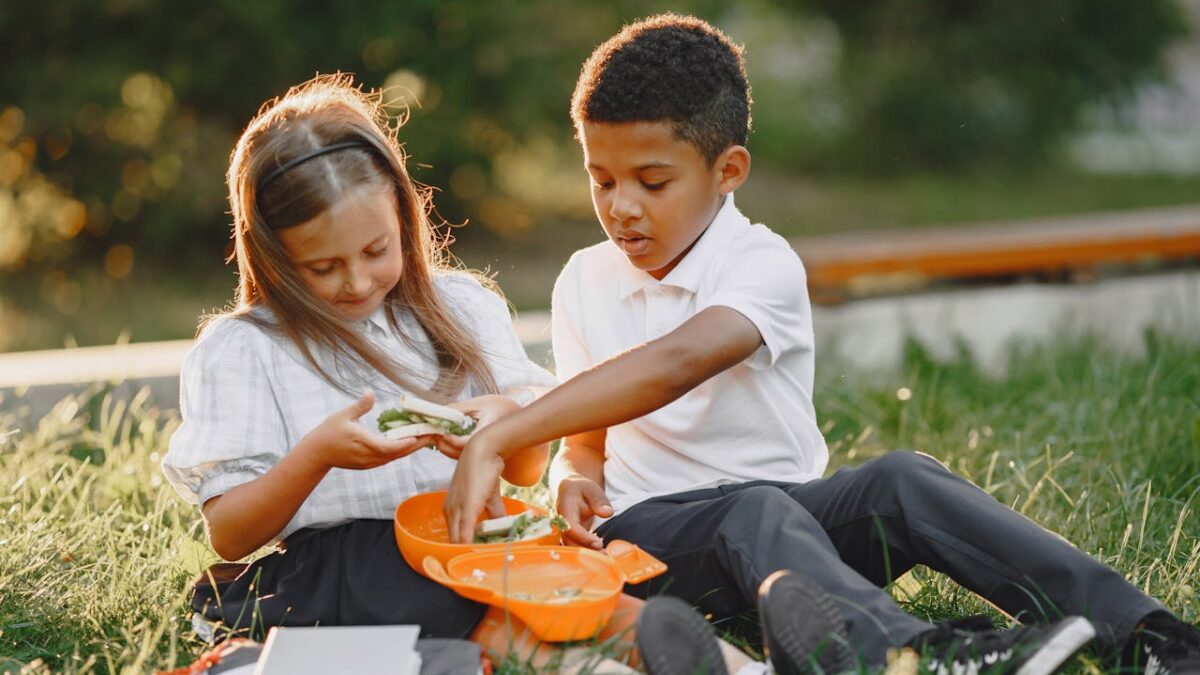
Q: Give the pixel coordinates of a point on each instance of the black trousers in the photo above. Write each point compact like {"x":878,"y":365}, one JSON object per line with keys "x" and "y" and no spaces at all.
{"x":860,"y":528}
{"x":347,"y":575}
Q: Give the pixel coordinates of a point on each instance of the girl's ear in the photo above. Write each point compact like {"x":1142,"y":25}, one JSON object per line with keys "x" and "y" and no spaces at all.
{"x":733,"y":167}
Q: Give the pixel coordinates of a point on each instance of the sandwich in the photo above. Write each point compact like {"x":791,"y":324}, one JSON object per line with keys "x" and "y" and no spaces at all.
{"x":518,"y":527}
{"x":416,"y":417}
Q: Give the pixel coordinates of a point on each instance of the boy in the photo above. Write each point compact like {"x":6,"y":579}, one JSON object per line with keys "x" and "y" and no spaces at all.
{"x":689,"y":421}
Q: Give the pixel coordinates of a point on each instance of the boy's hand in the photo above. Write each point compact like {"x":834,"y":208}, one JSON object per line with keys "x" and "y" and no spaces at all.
{"x":341,"y":442}
{"x":475,"y":485}
{"x":579,"y":501}
{"x":485,"y":410}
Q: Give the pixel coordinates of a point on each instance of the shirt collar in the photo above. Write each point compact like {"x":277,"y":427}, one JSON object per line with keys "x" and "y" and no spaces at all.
{"x":377,"y":321}
{"x":688,"y":273}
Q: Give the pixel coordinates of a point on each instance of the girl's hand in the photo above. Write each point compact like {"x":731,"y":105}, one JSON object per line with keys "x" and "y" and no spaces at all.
{"x":485,"y":410}
{"x":475,"y":485}
{"x":341,"y":442}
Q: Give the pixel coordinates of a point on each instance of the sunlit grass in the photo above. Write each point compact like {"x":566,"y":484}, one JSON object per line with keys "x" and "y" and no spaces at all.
{"x":1100,"y":447}
{"x":96,"y":551}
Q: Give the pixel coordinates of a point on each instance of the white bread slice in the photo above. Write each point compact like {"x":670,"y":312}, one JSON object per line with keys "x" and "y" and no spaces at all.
{"x":410,"y":430}
{"x":423,"y":407}
{"x":539,"y":528}
{"x":501,"y":525}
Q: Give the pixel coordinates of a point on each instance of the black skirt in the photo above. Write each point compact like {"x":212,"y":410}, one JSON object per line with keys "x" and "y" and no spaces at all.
{"x":346,"y":575}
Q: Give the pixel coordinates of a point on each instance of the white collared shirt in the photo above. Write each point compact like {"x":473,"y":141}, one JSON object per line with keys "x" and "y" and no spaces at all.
{"x":753,"y":421}
{"x":248,"y":396}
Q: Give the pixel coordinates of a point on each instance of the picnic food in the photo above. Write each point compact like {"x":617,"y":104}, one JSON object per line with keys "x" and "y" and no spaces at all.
{"x":518,"y":527}
{"x":421,"y":530}
{"x":417,"y":417}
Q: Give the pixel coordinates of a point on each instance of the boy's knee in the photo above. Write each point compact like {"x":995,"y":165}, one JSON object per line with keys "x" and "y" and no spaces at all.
{"x":900,"y":472}
{"x":757,"y":506}
{"x":906,"y":465}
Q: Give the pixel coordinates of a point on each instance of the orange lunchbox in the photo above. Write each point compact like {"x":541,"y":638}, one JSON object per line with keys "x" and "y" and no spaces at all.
{"x":562,"y":593}
{"x":421,"y":530}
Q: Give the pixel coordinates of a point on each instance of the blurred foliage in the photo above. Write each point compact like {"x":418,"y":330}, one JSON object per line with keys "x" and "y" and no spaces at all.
{"x":904,"y":85}
{"x":117,"y":117}
{"x":119,"y":122}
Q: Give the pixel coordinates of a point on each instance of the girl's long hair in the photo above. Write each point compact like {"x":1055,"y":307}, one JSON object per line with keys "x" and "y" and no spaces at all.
{"x":321,"y":112}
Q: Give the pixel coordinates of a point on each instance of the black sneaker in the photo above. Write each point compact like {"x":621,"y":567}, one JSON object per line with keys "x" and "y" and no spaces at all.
{"x":1163,"y":644}
{"x":1025,"y":650}
{"x":803,"y":631}
{"x":673,"y":639}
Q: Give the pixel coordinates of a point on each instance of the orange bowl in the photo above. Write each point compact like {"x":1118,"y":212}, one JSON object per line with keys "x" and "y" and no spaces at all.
{"x":421,"y":530}
{"x":563,"y":593}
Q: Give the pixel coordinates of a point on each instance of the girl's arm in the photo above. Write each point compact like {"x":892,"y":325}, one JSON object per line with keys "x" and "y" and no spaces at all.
{"x":250,"y":515}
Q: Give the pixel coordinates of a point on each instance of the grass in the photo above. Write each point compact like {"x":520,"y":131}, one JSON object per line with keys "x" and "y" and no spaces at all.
{"x":1103,"y":447}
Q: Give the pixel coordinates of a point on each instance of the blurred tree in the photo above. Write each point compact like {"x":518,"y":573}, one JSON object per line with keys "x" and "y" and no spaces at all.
{"x":117,"y":117}
{"x":946,"y":85}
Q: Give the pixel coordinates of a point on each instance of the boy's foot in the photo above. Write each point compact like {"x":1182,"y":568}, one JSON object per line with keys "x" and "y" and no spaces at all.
{"x":803,"y":631}
{"x":1163,"y":644}
{"x":1025,"y":650}
{"x":673,"y":639}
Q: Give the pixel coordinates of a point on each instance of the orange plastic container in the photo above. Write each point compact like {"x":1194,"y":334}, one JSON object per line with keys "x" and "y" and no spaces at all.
{"x":563,"y":593}
{"x":421,"y":530}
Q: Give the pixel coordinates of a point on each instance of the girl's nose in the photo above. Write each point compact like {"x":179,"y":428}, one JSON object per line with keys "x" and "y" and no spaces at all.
{"x":357,"y":282}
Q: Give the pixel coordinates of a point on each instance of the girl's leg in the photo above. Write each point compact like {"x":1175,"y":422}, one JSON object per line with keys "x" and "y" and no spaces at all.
{"x":502,"y":635}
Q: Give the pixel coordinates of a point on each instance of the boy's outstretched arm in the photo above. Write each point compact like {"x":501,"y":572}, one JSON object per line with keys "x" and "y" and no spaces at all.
{"x":620,"y":389}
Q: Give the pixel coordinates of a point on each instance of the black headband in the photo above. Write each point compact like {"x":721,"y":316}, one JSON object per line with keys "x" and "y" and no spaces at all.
{"x":289,"y":165}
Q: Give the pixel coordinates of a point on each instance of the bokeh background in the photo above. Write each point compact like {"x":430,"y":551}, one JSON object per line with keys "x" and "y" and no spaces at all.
{"x":117,"y":118}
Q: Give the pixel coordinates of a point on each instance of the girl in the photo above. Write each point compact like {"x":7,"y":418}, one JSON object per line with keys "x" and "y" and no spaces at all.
{"x":343,"y":289}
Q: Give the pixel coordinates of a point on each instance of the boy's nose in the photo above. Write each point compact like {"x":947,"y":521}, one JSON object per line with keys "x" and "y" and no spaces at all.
{"x":623,"y":207}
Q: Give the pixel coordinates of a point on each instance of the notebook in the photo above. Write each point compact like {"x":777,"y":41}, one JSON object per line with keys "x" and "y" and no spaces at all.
{"x":364,"y":650}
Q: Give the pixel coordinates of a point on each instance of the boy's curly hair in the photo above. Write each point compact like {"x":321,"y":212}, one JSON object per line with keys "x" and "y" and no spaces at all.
{"x":673,"y":68}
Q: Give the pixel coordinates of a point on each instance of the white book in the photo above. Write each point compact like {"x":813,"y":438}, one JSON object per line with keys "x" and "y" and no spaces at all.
{"x":323,"y":650}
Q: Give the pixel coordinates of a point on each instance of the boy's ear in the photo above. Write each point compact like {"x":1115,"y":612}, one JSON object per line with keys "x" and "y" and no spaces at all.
{"x":733,"y":167}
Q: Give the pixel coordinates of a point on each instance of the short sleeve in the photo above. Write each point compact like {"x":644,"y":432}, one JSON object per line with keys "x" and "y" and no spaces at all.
{"x":488,"y":315}
{"x":765,"y":282}
{"x":232,"y":430}
{"x":571,"y":355}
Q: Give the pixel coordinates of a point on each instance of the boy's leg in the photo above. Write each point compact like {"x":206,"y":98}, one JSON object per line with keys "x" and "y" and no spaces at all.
{"x":928,"y":515}
{"x":720,"y":544}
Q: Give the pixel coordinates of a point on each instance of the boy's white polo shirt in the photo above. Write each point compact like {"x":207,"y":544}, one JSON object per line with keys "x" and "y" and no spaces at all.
{"x":753,"y":421}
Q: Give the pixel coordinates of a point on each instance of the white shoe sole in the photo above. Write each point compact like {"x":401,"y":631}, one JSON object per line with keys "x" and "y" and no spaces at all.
{"x":1072,"y":635}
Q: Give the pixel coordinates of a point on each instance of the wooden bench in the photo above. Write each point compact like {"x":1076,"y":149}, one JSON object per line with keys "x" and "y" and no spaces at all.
{"x":844,"y":266}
